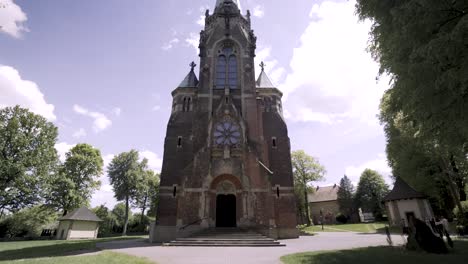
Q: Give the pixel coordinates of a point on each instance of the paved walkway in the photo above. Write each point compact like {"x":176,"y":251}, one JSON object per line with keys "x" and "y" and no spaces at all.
{"x":254,"y":255}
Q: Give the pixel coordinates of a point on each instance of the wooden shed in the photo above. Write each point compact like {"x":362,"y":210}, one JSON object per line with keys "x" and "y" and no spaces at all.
{"x":81,"y":223}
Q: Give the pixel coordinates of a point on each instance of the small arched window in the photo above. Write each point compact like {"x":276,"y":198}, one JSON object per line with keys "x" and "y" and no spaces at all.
{"x":226,"y":69}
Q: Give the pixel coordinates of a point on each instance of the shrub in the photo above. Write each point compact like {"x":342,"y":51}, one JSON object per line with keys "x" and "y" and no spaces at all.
{"x":462,"y":219}
{"x":28,"y":222}
{"x":341,"y":218}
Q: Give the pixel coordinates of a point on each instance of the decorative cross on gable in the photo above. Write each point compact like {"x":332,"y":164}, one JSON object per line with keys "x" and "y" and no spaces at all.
{"x":262,"y":65}
{"x":193,"y":65}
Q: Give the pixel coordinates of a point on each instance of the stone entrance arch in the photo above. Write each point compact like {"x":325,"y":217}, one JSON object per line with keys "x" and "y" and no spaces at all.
{"x":226,"y":197}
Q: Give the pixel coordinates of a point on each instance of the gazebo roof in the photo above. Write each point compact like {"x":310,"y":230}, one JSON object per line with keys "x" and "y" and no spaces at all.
{"x":402,"y":191}
{"x":81,"y":214}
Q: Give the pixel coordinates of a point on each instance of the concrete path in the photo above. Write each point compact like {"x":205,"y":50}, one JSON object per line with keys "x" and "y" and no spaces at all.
{"x":256,"y":255}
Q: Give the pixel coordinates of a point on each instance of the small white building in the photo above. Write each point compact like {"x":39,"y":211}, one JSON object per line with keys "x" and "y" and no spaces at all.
{"x":404,"y":202}
{"x":81,"y":223}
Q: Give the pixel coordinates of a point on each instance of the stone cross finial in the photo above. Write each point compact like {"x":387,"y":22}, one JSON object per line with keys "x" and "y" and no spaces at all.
{"x":192,"y":65}
{"x":262,"y":65}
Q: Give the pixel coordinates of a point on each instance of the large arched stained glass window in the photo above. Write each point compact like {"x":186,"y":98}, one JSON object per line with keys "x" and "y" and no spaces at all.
{"x":221,"y":72}
{"x":232,"y":72}
{"x":226,"y":69}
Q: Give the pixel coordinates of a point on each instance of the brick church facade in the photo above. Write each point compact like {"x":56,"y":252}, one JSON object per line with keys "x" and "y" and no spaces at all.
{"x":227,"y":156}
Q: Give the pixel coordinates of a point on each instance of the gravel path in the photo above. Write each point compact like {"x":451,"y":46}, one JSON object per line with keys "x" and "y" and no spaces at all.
{"x":254,"y":255}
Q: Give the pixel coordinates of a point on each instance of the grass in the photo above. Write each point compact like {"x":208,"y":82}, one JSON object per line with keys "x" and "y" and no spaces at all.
{"x":50,"y":248}
{"x":381,"y":255}
{"x":377,"y":227}
{"x":102,"y":258}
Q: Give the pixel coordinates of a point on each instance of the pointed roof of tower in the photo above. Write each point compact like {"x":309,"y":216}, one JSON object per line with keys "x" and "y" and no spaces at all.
{"x":220,"y":2}
{"x":263,"y":81}
{"x":191,"y":79}
{"x":401,"y":191}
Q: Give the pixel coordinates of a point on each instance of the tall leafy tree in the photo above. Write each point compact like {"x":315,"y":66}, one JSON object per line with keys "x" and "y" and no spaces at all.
{"x":126,"y":175}
{"x":370,"y":192}
{"x":306,"y":169}
{"x":27,"y":157}
{"x":419,"y":163}
{"x":77,"y":179}
{"x":346,"y":196}
{"x":421,"y":44}
{"x":146,"y":191}
{"x":153,"y":196}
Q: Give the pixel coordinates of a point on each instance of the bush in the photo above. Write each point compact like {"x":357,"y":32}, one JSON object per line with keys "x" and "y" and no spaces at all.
{"x":27,"y":222}
{"x":341,"y":218}
{"x":462,"y":219}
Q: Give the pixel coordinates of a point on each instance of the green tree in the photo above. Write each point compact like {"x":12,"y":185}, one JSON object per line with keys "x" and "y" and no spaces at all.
{"x":346,"y":197}
{"x":108,"y":220}
{"x":419,"y":163}
{"x":421,"y":44}
{"x":77,"y":179}
{"x":306,"y":169}
{"x":370,"y":192}
{"x":153,"y":196}
{"x":146,"y":191}
{"x":29,"y":222}
{"x":126,"y":175}
{"x":27,"y":157}
{"x":121,"y":215}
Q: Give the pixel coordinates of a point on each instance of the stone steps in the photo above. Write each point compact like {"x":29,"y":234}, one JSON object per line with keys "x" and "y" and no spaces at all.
{"x":225,"y":238}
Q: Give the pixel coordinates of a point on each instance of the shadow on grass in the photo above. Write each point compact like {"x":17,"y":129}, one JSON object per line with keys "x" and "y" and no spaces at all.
{"x":59,"y":248}
{"x":381,"y":255}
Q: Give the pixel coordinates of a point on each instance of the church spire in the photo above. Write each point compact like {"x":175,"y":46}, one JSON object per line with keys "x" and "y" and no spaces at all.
{"x":191,"y":79}
{"x":221,"y":2}
{"x":227,"y":6}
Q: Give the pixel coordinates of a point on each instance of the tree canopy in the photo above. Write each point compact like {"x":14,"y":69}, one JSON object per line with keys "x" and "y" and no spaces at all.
{"x":127,"y":176}
{"x":77,"y":178}
{"x":346,"y":197}
{"x":27,"y":157}
{"x":305,"y":170}
{"x":370,"y":192}
{"x":421,"y":44}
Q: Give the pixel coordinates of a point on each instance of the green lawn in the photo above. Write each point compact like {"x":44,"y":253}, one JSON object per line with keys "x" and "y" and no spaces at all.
{"x":49,"y":248}
{"x":377,"y":227}
{"x":101,"y":258}
{"x":381,"y":255}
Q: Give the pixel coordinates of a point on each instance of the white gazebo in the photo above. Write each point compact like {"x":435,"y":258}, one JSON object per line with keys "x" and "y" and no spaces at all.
{"x":404,"y":202}
{"x":81,"y":223}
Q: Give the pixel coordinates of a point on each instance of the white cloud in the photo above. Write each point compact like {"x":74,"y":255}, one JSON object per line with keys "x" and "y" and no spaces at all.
{"x":101,"y":122}
{"x":79,"y":133}
{"x":259,"y":11}
{"x":62,"y":148}
{"x":154,"y":161}
{"x":379,"y":164}
{"x":272,"y":68}
{"x":201,"y":20}
{"x":193,"y":40}
{"x":116,"y":111}
{"x":333,"y":77}
{"x":16,"y":91}
{"x":170,"y":44}
{"x":156,"y":108}
{"x":12,"y":19}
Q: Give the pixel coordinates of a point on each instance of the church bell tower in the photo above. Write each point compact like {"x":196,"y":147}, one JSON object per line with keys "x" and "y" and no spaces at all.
{"x":227,"y":159}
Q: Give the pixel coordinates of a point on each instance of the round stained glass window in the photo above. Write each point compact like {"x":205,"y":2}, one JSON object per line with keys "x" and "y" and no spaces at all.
{"x":226,"y":133}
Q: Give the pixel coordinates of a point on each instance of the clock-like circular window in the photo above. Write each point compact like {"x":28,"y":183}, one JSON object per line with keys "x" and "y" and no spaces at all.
{"x":226,"y":133}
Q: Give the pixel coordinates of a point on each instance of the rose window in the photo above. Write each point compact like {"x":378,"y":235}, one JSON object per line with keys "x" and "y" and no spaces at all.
{"x":226,"y":134}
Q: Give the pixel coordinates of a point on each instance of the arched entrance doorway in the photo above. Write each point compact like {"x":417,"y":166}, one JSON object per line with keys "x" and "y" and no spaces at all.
{"x":226,"y":210}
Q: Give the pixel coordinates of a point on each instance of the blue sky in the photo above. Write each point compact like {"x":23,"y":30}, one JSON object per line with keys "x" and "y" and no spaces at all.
{"x":103,"y":71}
